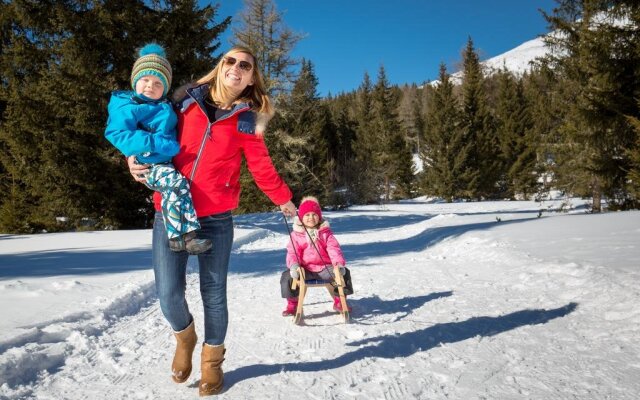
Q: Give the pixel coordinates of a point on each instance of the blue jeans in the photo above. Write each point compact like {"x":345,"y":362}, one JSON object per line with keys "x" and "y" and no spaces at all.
{"x":170,"y":273}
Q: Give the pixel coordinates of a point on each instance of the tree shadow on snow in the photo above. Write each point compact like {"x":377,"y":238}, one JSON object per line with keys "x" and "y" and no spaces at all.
{"x":368,"y":307}
{"x":73,"y":262}
{"x":427,"y":238}
{"x":408,"y":343}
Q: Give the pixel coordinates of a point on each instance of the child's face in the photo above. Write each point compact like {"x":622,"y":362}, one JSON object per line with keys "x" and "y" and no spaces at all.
{"x":310,"y":219}
{"x":150,"y":86}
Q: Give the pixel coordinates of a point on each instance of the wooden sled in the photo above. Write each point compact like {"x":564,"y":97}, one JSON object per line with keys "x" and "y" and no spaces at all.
{"x":304,"y":284}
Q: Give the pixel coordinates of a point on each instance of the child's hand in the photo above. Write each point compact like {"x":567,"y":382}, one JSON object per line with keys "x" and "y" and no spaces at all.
{"x":138,"y":171}
{"x":294,"y":271}
{"x":341,"y":269}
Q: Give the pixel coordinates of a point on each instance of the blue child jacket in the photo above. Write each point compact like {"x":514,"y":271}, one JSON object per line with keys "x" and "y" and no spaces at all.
{"x":141,"y":127}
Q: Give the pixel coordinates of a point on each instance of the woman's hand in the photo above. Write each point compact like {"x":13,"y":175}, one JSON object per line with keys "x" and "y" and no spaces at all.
{"x":288,"y":209}
{"x":138,"y":171}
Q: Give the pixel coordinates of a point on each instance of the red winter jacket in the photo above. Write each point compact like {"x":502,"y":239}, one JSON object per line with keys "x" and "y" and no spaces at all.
{"x":210,"y":156}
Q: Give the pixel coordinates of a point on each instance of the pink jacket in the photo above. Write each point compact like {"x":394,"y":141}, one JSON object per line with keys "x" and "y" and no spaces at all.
{"x":307,"y":256}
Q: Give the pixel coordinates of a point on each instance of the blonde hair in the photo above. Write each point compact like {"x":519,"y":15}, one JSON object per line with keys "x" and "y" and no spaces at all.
{"x":255,"y":95}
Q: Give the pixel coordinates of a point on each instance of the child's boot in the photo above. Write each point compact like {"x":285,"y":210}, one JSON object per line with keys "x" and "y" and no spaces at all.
{"x":337,"y":304}
{"x":292,"y":304}
{"x":189,"y":242}
{"x":197,"y":246}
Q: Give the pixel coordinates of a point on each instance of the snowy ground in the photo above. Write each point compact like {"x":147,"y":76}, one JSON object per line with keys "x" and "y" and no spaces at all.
{"x":449,"y":303}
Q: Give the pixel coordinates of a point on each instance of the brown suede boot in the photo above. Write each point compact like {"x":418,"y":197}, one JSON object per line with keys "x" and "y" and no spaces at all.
{"x":186,"y":342}
{"x":212,"y":377}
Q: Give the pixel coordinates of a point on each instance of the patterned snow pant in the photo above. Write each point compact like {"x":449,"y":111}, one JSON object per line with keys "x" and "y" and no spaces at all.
{"x":177,"y":206}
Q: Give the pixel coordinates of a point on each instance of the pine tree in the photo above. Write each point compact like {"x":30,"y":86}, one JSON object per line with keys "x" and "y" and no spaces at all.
{"x":263,"y":30}
{"x":418,"y":119}
{"x":391,"y":157}
{"x":445,"y":152}
{"x":346,"y":165}
{"x":313,"y":123}
{"x":633,"y":184}
{"x":514,"y":129}
{"x":476,"y":125}
{"x":548,"y":111}
{"x":592,"y":53}
{"x":367,"y":183}
{"x":5,"y":184}
{"x":410,"y":95}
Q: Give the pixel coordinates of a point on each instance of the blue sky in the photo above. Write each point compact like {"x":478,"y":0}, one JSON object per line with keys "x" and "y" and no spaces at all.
{"x":346,"y":38}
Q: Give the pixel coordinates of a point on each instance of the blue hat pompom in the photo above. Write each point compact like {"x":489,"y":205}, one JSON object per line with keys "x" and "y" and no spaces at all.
{"x":152,"y":48}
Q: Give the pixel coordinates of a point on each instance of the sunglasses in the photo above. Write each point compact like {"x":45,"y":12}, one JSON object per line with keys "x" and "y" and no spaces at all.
{"x":243,"y":65}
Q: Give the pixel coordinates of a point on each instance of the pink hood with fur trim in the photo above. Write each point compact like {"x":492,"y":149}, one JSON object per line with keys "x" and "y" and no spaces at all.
{"x":303,"y":252}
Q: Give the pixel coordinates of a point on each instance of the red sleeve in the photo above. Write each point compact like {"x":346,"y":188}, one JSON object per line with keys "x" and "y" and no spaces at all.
{"x":262,"y":169}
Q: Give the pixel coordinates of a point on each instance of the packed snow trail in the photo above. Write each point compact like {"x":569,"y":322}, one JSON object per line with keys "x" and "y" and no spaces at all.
{"x":448,"y":303}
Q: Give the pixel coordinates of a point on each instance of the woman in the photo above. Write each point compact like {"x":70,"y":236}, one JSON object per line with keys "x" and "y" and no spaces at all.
{"x":220,"y":119}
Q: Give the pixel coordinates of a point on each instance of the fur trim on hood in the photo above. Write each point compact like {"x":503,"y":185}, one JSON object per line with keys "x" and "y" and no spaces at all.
{"x":180,"y":92}
{"x":298,"y":227}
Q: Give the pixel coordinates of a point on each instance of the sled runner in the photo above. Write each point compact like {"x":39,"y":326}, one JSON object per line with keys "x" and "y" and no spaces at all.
{"x":330,"y":285}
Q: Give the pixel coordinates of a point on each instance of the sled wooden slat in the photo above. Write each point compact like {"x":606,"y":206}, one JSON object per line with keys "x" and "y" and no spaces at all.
{"x":304,"y":284}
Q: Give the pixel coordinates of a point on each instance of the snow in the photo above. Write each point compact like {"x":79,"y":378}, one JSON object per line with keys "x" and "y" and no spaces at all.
{"x":518,"y":60}
{"x":417,"y":163}
{"x":474,"y":300}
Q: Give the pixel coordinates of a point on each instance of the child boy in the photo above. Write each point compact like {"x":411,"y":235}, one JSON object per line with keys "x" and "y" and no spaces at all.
{"x":142,"y":123}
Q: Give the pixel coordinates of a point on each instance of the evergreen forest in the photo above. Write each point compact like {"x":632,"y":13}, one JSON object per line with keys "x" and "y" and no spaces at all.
{"x":571,"y":123}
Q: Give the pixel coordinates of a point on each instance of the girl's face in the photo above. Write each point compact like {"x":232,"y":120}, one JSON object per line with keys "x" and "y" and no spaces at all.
{"x":237,"y":71}
{"x":150,"y":86}
{"x":310,"y":220}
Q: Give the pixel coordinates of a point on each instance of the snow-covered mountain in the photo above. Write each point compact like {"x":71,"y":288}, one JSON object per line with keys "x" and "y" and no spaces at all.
{"x":517,"y":60}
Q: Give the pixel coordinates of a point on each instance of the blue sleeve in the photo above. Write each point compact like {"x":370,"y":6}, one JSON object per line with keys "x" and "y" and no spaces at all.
{"x":122,"y":129}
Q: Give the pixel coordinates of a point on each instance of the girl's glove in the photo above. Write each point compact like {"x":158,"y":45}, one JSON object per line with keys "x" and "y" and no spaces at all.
{"x":294,"y":271}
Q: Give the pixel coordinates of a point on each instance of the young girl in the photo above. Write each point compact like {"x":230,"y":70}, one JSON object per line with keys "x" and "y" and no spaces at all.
{"x":142,"y":123}
{"x":314,"y":248}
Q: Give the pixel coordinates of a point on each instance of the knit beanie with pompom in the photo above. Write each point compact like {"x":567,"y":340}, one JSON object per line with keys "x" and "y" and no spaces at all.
{"x":309,"y":204}
{"x":152,"y":61}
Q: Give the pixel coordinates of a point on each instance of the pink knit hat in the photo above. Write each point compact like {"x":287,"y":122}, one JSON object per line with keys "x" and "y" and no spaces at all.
{"x":309,"y":204}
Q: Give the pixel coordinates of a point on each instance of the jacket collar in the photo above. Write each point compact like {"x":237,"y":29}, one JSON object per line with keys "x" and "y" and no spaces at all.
{"x":142,"y":99}
{"x":198,"y":94}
